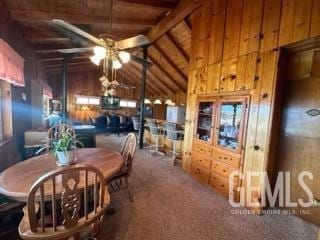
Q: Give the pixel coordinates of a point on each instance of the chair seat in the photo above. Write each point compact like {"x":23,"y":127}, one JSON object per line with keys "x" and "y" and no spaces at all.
{"x":122,"y":173}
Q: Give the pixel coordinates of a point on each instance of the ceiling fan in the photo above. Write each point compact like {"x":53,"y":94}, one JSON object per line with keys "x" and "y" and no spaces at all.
{"x":105,"y":47}
{"x":107,"y":50}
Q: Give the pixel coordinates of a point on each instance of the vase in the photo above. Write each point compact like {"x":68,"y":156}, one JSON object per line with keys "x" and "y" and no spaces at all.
{"x":64,"y":158}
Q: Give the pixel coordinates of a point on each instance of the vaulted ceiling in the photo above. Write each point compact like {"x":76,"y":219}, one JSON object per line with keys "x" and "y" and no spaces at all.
{"x":165,"y":22}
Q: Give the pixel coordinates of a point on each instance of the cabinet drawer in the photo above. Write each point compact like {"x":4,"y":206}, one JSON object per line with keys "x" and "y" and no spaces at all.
{"x":222,"y":168}
{"x":202,"y":159}
{"x":201,"y":148}
{"x":221,"y":184}
{"x":228,"y":159}
{"x":200,"y":172}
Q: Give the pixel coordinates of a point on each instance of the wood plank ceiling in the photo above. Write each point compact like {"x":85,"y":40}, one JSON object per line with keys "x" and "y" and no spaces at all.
{"x":169,"y":52}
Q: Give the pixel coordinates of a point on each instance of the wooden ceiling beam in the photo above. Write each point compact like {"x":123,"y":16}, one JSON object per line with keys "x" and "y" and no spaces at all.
{"x":135,"y":81}
{"x":72,"y":69}
{"x":59,"y":62}
{"x":39,"y":16}
{"x":150,"y":86}
{"x":182,"y":10}
{"x":165,"y":73}
{"x":47,"y":31}
{"x":53,"y":59}
{"x":168,"y":36}
{"x":171,"y":62}
{"x":168,"y":87}
{"x":150,"y":3}
{"x":128,"y":81}
{"x":136,"y":75}
{"x":153,"y":71}
{"x":71,"y":64}
{"x":155,"y":81}
{"x":186,"y":25}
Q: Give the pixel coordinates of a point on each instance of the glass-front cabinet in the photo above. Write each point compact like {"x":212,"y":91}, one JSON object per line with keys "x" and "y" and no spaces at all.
{"x":230,"y":124}
{"x":205,"y":121}
{"x":218,"y":146}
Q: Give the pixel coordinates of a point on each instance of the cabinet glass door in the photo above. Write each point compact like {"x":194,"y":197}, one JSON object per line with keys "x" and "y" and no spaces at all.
{"x":205,"y":121}
{"x":230,"y":125}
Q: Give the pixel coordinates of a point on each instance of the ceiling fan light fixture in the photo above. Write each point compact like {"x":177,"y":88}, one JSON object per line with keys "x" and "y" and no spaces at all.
{"x":124,"y":56}
{"x":95,"y":59}
{"x":99,"y":52}
{"x":116,"y":64}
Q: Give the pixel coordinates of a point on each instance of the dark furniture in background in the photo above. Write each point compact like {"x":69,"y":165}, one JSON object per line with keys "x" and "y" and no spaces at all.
{"x":112,"y":124}
{"x":86,"y":135}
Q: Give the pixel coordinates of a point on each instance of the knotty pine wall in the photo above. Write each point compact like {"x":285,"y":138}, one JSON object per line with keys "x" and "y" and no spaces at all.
{"x":235,"y":50}
{"x":87,"y":83}
{"x":23,"y":111}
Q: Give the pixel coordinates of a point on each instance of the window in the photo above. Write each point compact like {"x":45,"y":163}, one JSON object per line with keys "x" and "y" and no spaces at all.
{"x":46,"y":105}
{"x":128,"y":103}
{"x":87,"y":100}
{"x":5,"y":112}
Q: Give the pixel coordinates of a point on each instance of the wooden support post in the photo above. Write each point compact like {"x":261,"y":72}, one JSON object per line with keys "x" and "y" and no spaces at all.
{"x":64,"y":89}
{"x":142,"y":97}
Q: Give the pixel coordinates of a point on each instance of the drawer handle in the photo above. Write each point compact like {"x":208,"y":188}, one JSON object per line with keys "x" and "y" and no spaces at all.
{"x":223,"y":170}
{"x":220,"y":157}
{"x":225,"y":158}
{"x":222,"y":185}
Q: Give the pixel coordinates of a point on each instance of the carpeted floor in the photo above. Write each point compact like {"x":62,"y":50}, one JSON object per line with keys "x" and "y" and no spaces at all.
{"x":170,"y":205}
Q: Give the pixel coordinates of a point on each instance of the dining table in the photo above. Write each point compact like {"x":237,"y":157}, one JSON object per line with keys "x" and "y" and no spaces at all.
{"x":17,"y":180}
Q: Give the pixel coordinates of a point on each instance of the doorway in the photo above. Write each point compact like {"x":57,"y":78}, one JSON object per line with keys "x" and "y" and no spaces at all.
{"x":299,"y":140}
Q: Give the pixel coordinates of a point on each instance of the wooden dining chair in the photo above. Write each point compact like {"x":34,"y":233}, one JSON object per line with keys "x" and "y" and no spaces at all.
{"x":58,"y":215}
{"x":128,"y":150}
{"x":53,"y":134}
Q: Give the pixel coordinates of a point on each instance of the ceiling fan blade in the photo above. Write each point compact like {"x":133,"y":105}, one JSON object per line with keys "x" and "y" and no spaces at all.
{"x":141,"y":61}
{"x":75,"y":50}
{"x":79,"y":31}
{"x":132,"y":42}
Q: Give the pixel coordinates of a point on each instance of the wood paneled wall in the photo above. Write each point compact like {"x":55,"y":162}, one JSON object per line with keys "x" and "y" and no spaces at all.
{"x":87,"y":83}
{"x":235,"y":50}
{"x":10,"y":32}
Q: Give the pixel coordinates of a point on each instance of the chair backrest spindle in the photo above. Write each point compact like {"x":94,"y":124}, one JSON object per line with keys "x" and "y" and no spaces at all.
{"x":54,"y":205}
{"x":85,"y":202}
{"x":42,"y":207}
{"x":72,"y":180}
